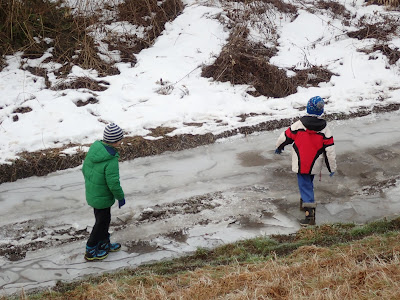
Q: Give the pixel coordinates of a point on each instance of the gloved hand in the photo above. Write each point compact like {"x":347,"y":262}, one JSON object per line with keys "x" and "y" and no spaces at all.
{"x":278,"y":151}
{"x":332,"y":173}
{"x":121,"y":203}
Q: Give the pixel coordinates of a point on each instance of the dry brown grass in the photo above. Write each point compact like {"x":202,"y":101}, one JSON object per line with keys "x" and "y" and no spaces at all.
{"x":243,"y":61}
{"x":366,"y":269}
{"x":34,"y":26}
{"x":260,"y":5}
{"x":382,"y":31}
{"x":151,"y":15}
{"x":83,"y":82}
{"x":334,"y":7}
{"x":391,"y":3}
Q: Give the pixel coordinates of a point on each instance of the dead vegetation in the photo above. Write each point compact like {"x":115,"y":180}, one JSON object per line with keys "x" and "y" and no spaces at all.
{"x":91,"y":100}
{"x":82,"y":82}
{"x":39,"y":164}
{"x":36,"y":27}
{"x":258,"y":6}
{"x":331,"y":261}
{"x":22,"y":110}
{"x":382,"y":32}
{"x":389,"y":3}
{"x":310,"y":272}
{"x":160,"y":131}
{"x":335,"y":8}
{"x":42,"y":72}
{"x":244,"y":61}
{"x":150,"y":15}
{"x":393,"y":55}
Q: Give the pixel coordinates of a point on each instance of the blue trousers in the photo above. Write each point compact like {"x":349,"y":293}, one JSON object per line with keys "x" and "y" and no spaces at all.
{"x":306,"y":187}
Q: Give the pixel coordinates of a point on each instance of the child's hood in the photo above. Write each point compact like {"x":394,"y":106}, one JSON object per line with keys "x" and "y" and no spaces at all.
{"x":313,"y":123}
{"x":99,"y":152}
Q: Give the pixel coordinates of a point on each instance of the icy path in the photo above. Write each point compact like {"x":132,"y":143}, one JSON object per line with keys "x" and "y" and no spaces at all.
{"x":203,"y":197}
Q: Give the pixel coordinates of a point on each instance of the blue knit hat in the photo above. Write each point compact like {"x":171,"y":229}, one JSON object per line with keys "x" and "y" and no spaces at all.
{"x":315,"y":106}
{"x":112,"y":134}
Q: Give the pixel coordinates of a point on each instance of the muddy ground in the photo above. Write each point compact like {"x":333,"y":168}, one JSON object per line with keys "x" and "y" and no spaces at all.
{"x":365,"y":174}
{"x":47,"y":161}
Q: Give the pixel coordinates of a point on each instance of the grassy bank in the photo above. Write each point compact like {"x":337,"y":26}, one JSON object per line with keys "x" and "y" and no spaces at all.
{"x":339,"y":261}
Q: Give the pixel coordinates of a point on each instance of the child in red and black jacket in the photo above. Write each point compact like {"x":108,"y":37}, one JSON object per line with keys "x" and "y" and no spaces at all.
{"x":312,"y":146}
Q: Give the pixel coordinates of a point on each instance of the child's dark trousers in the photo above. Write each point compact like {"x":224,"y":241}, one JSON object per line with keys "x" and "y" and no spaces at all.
{"x":100,"y":229}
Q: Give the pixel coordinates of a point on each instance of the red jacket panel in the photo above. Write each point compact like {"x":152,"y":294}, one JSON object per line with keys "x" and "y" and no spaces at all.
{"x":313,"y":144}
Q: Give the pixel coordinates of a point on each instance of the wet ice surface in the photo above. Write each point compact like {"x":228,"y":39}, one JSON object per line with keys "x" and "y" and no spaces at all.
{"x":204,"y":197}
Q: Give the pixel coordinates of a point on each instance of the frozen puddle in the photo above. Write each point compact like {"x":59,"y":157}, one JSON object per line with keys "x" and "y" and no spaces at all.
{"x":204,"y":197}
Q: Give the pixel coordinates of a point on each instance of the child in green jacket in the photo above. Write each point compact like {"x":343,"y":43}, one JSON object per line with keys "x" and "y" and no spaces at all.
{"x":101,"y":172}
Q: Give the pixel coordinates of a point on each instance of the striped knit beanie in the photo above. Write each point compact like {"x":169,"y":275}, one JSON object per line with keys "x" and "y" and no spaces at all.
{"x":112,"y":134}
{"x":315,"y":106}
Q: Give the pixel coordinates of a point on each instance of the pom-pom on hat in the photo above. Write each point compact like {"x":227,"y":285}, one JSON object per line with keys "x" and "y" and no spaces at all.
{"x":112,"y":134}
{"x":315,"y":106}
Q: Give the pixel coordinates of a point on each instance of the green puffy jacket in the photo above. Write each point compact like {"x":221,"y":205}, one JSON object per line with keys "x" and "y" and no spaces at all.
{"x":101,"y":173}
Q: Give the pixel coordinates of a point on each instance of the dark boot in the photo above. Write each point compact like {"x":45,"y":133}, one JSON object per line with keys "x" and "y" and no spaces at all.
{"x":309,"y":217}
